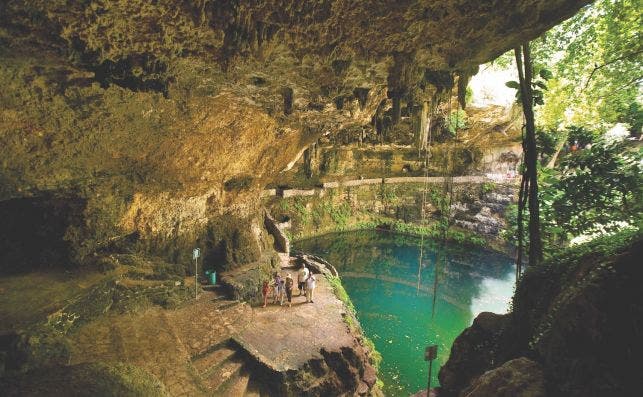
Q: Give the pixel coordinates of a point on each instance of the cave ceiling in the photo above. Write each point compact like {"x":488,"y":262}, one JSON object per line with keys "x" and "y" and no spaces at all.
{"x":212,"y":98}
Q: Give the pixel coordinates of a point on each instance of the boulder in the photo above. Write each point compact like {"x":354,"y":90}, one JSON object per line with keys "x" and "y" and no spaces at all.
{"x":474,"y":351}
{"x":520,"y":377}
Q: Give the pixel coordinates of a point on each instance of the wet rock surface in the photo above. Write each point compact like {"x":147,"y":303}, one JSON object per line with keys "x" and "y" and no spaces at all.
{"x":309,"y":349}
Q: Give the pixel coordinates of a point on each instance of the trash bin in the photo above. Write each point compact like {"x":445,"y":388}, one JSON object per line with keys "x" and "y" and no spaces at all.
{"x":212,"y":276}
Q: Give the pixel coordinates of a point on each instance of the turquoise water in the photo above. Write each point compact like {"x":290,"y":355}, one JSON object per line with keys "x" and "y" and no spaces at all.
{"x":395,"y":302}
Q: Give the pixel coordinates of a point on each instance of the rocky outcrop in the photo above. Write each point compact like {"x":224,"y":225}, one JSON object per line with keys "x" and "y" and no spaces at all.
{"x":577,"y":316}
{"x":473,"y":352}
{"x":520,"y":377}
{"x":485,"y":215}
{"x":282,"y":243}
{"x":315,"y":350}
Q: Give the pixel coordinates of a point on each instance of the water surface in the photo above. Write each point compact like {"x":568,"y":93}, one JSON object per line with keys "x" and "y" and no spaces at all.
{"x":401,"y":306}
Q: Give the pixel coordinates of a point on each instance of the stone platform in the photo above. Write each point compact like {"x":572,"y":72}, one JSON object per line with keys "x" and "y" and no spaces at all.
{"x":285,"y":338}
{"x":217,"y":346}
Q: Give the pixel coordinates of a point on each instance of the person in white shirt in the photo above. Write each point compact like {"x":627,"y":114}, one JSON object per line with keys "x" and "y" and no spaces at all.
{"x":310,"y":287}
{"x":302,"y":275}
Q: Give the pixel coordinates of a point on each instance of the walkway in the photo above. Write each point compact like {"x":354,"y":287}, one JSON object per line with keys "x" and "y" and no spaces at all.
{"x":285,"y":193}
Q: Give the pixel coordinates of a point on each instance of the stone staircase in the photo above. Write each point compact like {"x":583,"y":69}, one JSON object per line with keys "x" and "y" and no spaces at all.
{"x":225,"y":371}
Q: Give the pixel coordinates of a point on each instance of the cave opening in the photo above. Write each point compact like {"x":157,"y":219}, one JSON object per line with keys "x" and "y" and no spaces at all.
{"x":34,"y":232}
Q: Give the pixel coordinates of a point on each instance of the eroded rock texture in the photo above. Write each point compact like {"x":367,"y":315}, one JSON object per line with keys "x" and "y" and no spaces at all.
{"x":165,"y":119}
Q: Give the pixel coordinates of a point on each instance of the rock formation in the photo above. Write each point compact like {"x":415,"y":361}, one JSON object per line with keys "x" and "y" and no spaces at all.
{"x":162,"y":121}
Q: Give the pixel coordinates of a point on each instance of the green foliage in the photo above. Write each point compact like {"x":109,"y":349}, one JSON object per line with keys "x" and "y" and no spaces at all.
{"x":436,"y":231}
{"x":374,"y":356}
{"x":302,"y":212}
{"x":457,"y":120}
{"x":387,"y":193}
{"x":594,"y":190}
{"x":581,"y":136}
{"x":547,"y":142}
{"x":488,"y":187}
{"x":340,"y":292}
{"x":340,"y":214}
{"x":597,"y":59}
{"x":314,"y":214}
{"x":596,"y":187}
{"x":538,"y":84}
{"x":468,"y":97}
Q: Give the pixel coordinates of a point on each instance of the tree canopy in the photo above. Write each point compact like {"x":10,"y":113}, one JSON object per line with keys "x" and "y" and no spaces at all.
{"x":597,"y":62}
{"x":597,"y":57}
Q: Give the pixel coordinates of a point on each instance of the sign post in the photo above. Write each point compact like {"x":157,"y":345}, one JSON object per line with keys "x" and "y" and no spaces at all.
{"x":195,"y":255}
{"x":430,"y":354}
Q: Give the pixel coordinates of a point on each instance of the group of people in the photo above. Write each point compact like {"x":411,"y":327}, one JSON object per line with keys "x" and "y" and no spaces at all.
{"x":282,"y":287}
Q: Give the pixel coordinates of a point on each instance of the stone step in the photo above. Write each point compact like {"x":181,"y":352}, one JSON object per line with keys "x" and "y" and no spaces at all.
{"x":210,"y":361}
{"x":223,"y":374}
{"x":236,"y":387}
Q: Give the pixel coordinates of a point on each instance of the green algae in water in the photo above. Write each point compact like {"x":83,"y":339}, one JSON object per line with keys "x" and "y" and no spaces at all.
{"x":394,"y":301}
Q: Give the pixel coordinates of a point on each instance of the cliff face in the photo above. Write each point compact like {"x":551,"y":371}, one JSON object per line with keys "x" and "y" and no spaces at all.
{"x":162,"y":121}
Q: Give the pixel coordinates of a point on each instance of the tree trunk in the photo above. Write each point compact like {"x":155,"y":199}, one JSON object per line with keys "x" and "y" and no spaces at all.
{"x":552,"y":162}
{"x":531,"y":155}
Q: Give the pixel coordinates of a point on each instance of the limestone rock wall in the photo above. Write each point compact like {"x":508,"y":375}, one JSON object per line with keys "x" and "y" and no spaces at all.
{"x":478,"y":207}
{"x":167,"y":118}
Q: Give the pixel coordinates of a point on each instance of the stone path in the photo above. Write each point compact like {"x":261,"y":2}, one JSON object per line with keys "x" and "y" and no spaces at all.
{"x":285,"y":193}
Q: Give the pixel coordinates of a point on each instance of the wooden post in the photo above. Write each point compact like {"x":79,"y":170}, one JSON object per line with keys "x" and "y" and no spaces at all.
{"x":430,"y":354}
{"x":195,"y":255}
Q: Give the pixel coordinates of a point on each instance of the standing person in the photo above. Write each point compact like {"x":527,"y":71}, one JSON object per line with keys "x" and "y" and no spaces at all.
{"x":310,"y":287}
{"x":302,"y":276}
{"x":264,"y":291}
{"x":289,"y":286}
{"x":282,"y":290}
{"x":277,"y":287}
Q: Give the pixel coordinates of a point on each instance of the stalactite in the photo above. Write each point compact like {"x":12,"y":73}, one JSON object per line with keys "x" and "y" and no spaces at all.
{"x":361,"y":94}
{"x":287,"y":94}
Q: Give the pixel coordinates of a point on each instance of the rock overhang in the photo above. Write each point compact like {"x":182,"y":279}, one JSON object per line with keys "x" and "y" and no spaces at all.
{"x":211,"y":99}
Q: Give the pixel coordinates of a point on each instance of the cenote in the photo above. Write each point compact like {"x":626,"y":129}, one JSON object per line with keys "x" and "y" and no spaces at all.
{"x":402,"y":309}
